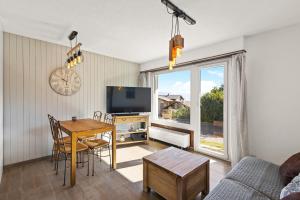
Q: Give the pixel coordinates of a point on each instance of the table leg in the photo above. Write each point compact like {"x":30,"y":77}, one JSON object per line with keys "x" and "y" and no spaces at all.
{"x":145,"y":177}
{"x":73,"y":160}
{"x":181,"y":189}
{"x":206,"y":190}
{"x":147,"y":128}
{"x":114,"y":147}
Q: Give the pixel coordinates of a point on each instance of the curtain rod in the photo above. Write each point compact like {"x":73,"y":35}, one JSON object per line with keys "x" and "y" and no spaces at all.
{"x":197,"y":61}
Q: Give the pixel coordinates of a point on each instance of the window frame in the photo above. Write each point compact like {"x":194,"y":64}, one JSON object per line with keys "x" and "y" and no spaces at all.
{"x":195,"y":111}
{"x":154,"y":114}
{"x":197,"y":147}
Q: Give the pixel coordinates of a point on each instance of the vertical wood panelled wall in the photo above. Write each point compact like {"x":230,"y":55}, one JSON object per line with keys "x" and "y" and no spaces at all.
{"x":28,"y":97}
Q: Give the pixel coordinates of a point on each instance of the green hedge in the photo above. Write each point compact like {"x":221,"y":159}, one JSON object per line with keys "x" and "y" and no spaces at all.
{"x":212,"y":105}
{"x":181,"y":113}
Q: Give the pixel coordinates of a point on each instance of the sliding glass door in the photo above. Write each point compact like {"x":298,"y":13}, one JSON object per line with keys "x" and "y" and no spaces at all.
{"x":194,"y":97}
{"x":213,"y":138}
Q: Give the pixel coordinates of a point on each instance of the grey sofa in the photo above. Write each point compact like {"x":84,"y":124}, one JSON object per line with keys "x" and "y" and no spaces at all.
{"x":250,"y":179}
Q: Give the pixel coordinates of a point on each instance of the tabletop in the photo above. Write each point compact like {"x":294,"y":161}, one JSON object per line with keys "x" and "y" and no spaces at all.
{"x":84,"y":125}
{"x":176,"y":161}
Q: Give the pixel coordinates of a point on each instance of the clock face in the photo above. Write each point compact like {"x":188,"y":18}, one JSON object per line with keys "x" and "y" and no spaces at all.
{"x":65,"y":81}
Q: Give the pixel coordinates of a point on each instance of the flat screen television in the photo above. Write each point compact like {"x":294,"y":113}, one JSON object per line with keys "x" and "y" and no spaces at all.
{"x":126,"y":100}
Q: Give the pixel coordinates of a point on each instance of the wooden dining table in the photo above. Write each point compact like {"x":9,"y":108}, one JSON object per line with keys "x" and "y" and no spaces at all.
{"x":85,"y":127}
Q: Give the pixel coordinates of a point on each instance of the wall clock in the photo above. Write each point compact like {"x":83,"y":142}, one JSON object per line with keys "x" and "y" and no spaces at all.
{"x":65,"y":81}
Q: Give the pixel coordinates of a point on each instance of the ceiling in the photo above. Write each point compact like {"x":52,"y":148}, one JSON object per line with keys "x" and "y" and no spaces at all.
{"x":139,"y":30}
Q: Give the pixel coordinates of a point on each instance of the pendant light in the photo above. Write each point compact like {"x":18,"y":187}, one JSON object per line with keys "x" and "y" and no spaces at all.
{"x":75,"y":55}
{"x":79,"y":57}
{"x":176,"y":43}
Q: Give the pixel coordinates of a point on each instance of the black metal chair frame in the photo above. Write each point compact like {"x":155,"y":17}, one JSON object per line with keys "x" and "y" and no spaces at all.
{"x":108,"y":118}
{"x":57,"y":133}
{"x":54,"y":147}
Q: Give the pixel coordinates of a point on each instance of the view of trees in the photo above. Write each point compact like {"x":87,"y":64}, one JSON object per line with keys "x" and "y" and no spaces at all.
{"x":182,"y":113}
{"x":212,"y":105}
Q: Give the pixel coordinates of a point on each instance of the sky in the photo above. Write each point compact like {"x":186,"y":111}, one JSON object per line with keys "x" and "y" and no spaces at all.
{"x":179,"y":82}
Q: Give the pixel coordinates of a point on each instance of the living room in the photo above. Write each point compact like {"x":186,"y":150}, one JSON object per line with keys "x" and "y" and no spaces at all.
{"x":149,"y":99}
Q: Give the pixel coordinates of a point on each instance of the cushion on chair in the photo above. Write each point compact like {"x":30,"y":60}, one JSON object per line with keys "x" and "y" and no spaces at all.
{"x":79,"y":147}
{"x":92,"y":135}
{"x":66,"y":139}
{"x":290,"y":168}
{"x":96,"y":143}
{"x":231,"y":190}
{"x":258,"y":174}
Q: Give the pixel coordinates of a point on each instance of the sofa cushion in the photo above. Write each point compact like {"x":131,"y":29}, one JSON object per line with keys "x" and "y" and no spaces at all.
{"x":258,"y":174}
{"x":290,"y":168}
{"x":231,"y":190}
{"x":292,"y":187}
{"x":293,"y":196}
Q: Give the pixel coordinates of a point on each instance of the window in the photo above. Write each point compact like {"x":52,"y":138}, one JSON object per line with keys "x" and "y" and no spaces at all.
{"x":173,"y":96}
{"x":212,"y":108}
{"x":195,"y":97}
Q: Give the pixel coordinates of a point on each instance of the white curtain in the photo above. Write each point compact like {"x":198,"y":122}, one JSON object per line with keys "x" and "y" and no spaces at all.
{"x":237,"y":110}
{"x":144,"y":79}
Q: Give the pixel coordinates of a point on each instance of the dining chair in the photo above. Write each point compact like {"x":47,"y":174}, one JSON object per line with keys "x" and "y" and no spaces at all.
{"x":98,"y":145}
{"x":51,"y":129}
{"x":97,"y":116}
{"x":64,"y":148}
{"x":107,"y":136}
{"x":66,"y":139}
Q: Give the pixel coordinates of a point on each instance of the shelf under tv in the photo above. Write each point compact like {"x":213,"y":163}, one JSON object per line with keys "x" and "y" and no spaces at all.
{"x":133,"y":119}
{"x":130,"y":132}
{"x":131,"y":141}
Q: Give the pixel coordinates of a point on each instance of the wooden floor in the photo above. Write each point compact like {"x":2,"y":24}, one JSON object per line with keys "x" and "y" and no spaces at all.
{"x":37,"y":181}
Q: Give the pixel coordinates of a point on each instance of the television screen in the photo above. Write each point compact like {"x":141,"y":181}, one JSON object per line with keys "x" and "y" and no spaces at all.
{"x":128,"y":99}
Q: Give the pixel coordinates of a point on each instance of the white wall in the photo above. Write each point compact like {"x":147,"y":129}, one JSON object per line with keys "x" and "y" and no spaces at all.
{"x":28,"y":97}
{"x":1,"y":100}
{"x":273,"y":73}
{"x":203,"y":52}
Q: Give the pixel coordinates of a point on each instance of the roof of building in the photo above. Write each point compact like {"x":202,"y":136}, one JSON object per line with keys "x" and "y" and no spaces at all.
{"x":175,"y":97}
{"x":172,"y":96}
{"x":164,"y":98}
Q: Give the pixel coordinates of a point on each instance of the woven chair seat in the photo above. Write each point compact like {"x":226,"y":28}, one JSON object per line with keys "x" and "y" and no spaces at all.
{"x":66,"y":139}
{"x":79,"y":147}
{"x":86,"y":136}
{"x":96,"y":143}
